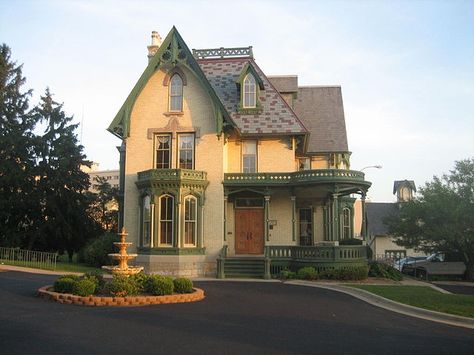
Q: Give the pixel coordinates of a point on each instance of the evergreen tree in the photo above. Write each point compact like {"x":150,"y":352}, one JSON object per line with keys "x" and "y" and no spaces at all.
{"x":104,"y":208}
{"x":62,"y":184}
{"x":17,"y":163}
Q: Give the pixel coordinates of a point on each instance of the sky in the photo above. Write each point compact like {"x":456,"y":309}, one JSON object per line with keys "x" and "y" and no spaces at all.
{"x":406,"y":68}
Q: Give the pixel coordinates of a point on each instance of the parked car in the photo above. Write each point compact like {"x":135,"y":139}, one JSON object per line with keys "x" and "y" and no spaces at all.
{"x":399,"y":264}
{"x":436,"y":264}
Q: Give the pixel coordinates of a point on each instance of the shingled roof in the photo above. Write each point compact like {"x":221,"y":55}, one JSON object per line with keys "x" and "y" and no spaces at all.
{"x":376,"y":212}
{"x":321,"y":110}
{"x":276,"y":116}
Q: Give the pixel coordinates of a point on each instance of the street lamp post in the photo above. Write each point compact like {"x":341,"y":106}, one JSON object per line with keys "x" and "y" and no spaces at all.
{"x":371,"y":166}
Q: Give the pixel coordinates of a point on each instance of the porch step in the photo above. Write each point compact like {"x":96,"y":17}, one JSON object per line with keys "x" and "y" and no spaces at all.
{"x":244,"y":267}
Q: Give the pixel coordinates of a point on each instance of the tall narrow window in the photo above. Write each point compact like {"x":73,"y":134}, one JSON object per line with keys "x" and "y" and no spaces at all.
{"x":166,"y":215}
{"x":190,"y":211}
{"x":186,"y":151}
{"x":249,"y":156}
{"x":250,"y":92}
{"x":176,"y":93}
{"x":146,"y":220}
{"x":346,"y":223}
{"x":163,"y":151}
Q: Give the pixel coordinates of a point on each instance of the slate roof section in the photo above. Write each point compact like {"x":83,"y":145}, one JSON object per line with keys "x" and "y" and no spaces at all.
{"x":284,"y":83}
{"x":276,"y":117}
{"x":321,"y":110}
{"x":376,"y":212}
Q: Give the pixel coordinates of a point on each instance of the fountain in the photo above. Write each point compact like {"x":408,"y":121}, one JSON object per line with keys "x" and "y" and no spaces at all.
{"x":122,"y":268}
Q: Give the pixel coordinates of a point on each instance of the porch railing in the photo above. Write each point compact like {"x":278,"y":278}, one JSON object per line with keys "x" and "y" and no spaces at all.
{"x":317,"y":253}
{"x":28,"y":258}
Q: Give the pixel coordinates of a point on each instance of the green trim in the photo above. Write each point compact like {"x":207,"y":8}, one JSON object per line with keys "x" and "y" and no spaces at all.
{"x":248,"y":68}
{"x":172,"y":52}
{"x":171,"y":251}
{"x":299,"y":178}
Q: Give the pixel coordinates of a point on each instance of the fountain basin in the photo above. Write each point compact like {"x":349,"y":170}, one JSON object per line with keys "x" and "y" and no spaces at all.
{"x":118,"y":256}
{"x":117,"y":270}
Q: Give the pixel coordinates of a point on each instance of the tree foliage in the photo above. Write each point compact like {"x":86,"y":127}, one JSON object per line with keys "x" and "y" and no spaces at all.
{"x":441,"y":219}
{"x":43,"y":199}
{"x":17,"y":163}
{"x":104,"y":208}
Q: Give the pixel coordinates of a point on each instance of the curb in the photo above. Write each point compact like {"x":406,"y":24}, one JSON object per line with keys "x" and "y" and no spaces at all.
{"x":98,"y":301}
{"x":394,"y":306}
{"x":5,"y":267}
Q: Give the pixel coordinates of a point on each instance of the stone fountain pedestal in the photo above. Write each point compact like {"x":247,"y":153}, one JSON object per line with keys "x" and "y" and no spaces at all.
{"x":123,"y":257}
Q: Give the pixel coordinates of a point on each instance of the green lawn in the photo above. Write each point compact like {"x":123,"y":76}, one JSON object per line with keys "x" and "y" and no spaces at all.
{"x":60,"y":266}
{"x":425,"y":297}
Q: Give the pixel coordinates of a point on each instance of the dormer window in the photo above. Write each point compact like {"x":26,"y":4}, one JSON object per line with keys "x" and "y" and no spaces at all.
{"x":250,"y":85}
{"x":250,"y":92}
{"x":176,"y":93}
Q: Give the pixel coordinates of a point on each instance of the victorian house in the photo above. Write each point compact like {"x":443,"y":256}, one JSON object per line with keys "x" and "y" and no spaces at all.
{"x":227,"y":171}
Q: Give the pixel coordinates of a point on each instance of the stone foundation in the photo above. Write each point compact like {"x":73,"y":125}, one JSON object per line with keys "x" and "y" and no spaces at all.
{"x":177,"y":265}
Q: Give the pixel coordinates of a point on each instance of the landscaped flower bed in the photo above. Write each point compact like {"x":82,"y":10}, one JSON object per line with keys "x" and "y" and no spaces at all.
{"x":136,"y":290}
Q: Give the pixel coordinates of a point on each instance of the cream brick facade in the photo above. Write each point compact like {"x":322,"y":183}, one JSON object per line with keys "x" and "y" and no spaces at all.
{"x":213,"y":110}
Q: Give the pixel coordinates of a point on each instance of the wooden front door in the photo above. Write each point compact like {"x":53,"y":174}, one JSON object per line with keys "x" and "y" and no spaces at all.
{"x":249,"y":231}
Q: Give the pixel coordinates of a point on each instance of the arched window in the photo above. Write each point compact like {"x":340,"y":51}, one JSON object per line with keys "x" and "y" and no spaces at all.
{"x":346,"y":223}
{"x":176,"y":93}
{"x":165,"y":220}
{"x":250,"y":92}
{"x":146,"y":221}
{"x":190,"y":225}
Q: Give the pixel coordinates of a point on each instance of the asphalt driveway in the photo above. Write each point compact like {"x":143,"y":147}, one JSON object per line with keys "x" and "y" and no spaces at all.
{"x":235,"y":318}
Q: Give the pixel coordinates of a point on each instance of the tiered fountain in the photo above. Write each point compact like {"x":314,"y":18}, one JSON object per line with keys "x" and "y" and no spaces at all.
{"x":123,"y":268}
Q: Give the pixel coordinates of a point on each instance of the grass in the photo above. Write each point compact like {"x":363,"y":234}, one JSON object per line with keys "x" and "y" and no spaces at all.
{"x":425,"y":297}
{"x":60,"y":266}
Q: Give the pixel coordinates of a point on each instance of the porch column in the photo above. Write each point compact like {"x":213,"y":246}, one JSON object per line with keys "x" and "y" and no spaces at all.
{"x":335,"y":217}
{"x":225,"y":218}
{"x":364,"y":222}
{"x":267,"y":221}
{"x":200,"y":241}
{"x":177,"y":242}
{"x":293,"y":217}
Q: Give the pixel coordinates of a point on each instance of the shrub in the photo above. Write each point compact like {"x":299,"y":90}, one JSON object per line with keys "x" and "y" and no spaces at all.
{"x":97,"y":278}
{"x":95,"y":253}
{"x":307,"y":273}
{"x":141,"y":279}
{"x":122,"y":286}
{"x":84,"y":287}
{"x":183,"y":285}
{"x":377,"y":269}
{"x":286,"y":274}
{"x":160,"y":285}
{"x":65,"y":284}
{"x":350,"y":241}
{"x":348,"y":273}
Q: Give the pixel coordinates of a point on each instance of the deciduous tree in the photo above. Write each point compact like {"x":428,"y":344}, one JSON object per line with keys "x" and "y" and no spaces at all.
{"x":441,"y":219}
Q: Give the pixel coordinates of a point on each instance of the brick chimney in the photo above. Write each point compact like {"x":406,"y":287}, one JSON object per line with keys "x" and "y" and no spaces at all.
{"x":155,"y":44}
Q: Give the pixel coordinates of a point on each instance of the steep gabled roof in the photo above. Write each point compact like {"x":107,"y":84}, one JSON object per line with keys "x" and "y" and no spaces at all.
{"x":376,"y":212}
{"x":275,"y":118}
{"x":321,"y":110}
{"x":172,"y":52}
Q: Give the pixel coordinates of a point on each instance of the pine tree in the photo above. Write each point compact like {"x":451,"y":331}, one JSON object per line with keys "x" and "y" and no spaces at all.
{"x":62,"y":183}
{"x":104,"y":206}
{"x":17,"y":162}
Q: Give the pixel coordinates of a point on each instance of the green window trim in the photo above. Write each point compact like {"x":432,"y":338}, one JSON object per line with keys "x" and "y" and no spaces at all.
{"x":258,"y":82}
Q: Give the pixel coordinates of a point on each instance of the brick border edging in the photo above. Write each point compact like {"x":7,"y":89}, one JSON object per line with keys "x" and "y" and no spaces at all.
{"x":97,"y":301}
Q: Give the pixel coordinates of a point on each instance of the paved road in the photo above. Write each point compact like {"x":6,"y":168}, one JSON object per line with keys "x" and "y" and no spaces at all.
{"x":235,"y":318}
{"x":457,"y":289}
